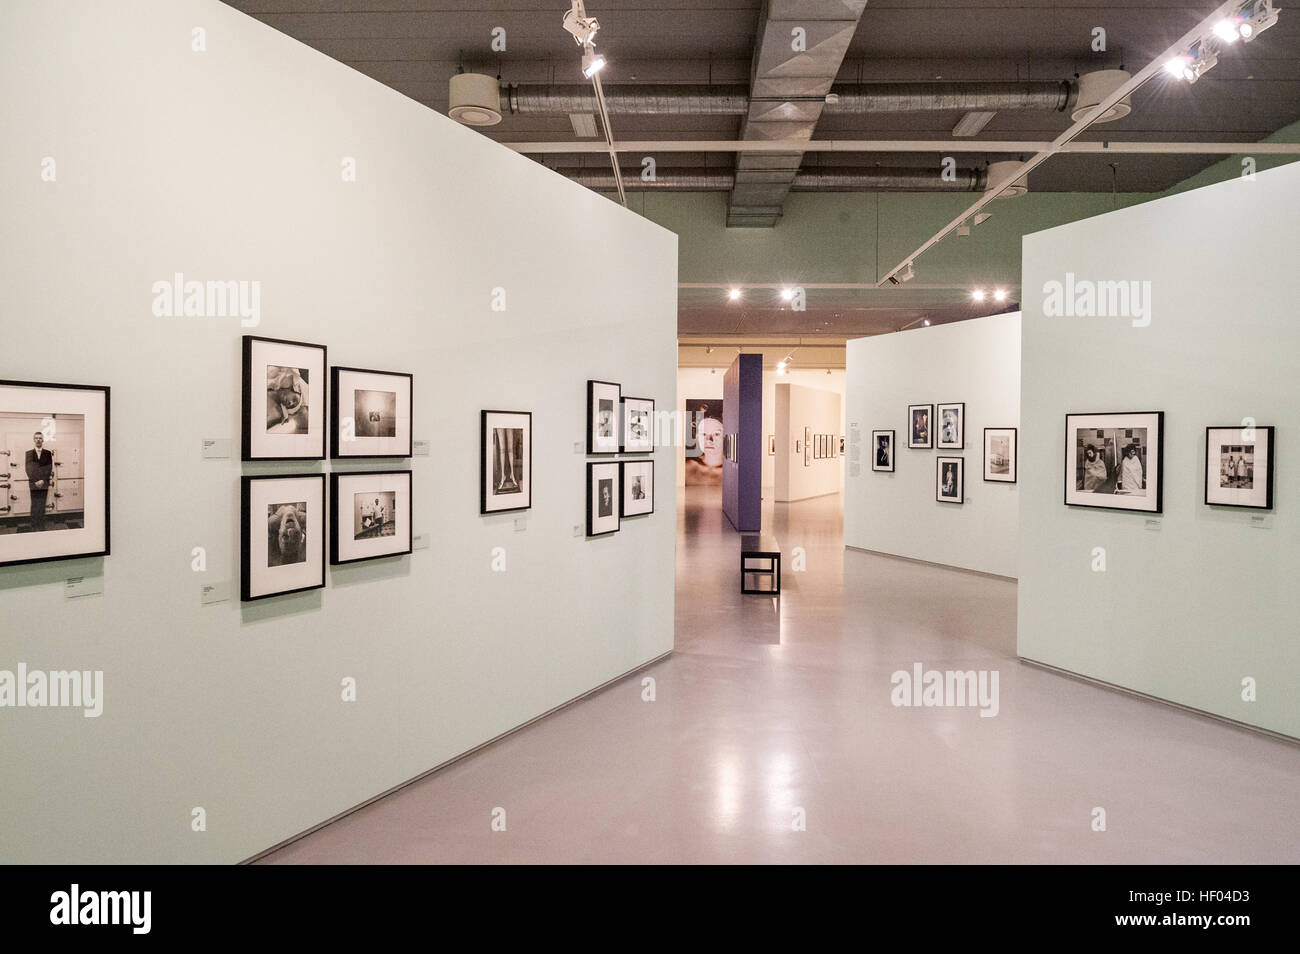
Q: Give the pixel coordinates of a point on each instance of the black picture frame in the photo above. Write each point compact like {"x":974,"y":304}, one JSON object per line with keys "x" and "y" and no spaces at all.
{"x":875,"y":449}
{"x":246,"y":483}
{"x":623,"y":446}
{"x":615,"y":468}
{"x":246,"y":402}
{"x":928,"y":442}
{"x":1117,"y":420}
{"x":106,"y":550}
{"x":939,"y":442}
{"x":485,"y":477}
{"x":337,"y":444}
{"x":1015,"y":456}
{"x":961,"y":479}
{"x":1270,"y":430}
{"x":622,"y":485}
{"x":616,"y":406}
{"x":335,"y":527}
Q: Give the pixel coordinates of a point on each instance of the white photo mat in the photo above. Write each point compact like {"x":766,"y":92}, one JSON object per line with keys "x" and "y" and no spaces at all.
{"x":351,"y":441}
{"x":269,"y":445}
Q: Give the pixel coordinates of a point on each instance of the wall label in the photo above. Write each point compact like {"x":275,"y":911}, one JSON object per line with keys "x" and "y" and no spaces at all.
{"x":79,"y":586}
{"x":219,"y":592}
{"x":420,"y":448}
{"x":216,"y":448}
{"x":420,"y":541}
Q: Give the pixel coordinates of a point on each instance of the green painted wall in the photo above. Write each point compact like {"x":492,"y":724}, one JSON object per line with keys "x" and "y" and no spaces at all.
{"x":855,"y":237}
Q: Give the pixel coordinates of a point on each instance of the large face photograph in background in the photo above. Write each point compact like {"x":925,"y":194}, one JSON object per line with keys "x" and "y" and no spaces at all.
{"x":53,"y":472}
{"x":1114,"y":460}
{"x":703,"y":442}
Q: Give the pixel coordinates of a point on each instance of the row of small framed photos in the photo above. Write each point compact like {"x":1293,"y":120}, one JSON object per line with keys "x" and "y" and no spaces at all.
{"x":618,"y":424}
{"x":284,"y":405}
{"x":1114,"y":461}
{"x":952,"y":426}
{"x":282,"y":546}
{"x":1001,"y":452}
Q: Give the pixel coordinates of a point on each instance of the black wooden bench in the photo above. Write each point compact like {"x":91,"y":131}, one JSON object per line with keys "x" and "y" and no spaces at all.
{"x":760,"y":558}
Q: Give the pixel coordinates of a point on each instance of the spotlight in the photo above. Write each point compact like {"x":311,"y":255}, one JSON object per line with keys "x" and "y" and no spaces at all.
{"x":581,"y":27}
{"x":780,"y":367}
{"x":908,"y":275}
{"x":1000,"y":295}
{"x":926,"y":322}
{"x":977,"y":294}
{"x":787,"y":293}
{"x":1228,"y":30}
{"x":734,"y":294}
{"x":1263,"y":18}
{"x":592,"y":63}
{"x":1175,"y":66}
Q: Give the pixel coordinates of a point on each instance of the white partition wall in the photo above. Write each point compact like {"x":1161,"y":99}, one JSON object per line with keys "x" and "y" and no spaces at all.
{"x":798,"y":410}
{"x":129,"y":157}
{"x":976,"y":362}
{"x":1200,"y":604}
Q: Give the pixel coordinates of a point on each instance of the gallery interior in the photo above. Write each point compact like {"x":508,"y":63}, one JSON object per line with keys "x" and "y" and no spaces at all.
{"x":772,"y":431}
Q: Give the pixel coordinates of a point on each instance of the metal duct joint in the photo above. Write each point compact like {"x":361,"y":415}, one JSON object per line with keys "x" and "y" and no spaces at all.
{"x":846,"y":179}
{"x":845,"y":98}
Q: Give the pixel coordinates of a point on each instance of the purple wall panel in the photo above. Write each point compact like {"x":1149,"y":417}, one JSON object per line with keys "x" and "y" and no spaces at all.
{"x":742,"y":416}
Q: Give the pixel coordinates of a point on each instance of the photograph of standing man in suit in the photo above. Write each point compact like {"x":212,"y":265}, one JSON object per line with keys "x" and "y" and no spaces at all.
{"x":40,"y":468}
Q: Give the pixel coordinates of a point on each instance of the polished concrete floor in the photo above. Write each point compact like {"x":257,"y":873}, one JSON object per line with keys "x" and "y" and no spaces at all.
{"x":771,"y":711}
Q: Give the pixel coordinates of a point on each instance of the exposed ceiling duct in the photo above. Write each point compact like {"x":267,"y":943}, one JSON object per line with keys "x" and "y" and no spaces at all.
{"x":799,"y":50}
{"x":846,"y":179}
{"x":844,"y":98}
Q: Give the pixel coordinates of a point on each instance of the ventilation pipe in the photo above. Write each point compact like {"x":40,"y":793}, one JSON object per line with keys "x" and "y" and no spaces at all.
{"x":844,"y":98}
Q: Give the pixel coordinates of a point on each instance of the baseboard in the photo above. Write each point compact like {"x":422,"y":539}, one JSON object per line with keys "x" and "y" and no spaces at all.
{"x":456,"y":758}
{"x":942,"y":566}
{"x":1192,"y":710}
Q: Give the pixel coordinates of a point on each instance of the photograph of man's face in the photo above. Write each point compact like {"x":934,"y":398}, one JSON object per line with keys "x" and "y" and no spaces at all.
{"x":605,"y":498}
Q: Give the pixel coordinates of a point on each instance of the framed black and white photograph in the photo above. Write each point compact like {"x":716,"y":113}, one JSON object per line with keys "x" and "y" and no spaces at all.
{"x":282,"y":548}
{"x":53,"y":472}
{"x":882,"y":451}
{"x":370,"y":515}
{"x":603,"y":401}
{"x":604,"y":494}
{"x":950,"y":480}
{"x":952,"y":425}
{"x":771,"y":445}
{"x":807,"y":446}
{"x":370,"y":413}
{"x":283,"y":400}
{"x":1000,"y":454}
{"x":841,"y":445}
{"x":1114,"y":460}
{"x":638,"y":479}
{"x":506,"y":461}
{"x":919,"y":433}
{"x":1239,"y":467}
{"x":638,"y":425}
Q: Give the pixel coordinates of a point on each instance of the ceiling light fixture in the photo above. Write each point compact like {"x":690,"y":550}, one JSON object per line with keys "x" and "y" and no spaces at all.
{"x":787,"y":293}
{"x":581,"y":27}
{"x":734,"y":294}
{"x":908,"y":274}
{"x":977,"y":294}
{"x":1000,"y":294}
{"x":592,"y":63}
{"x":926,"y":322}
